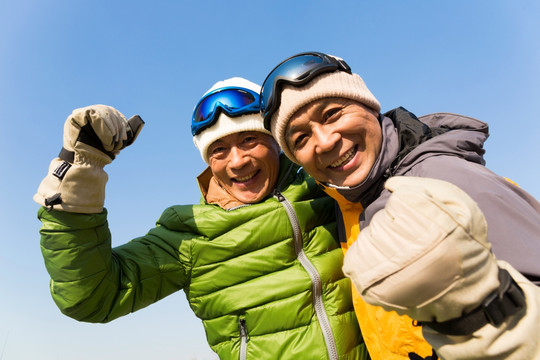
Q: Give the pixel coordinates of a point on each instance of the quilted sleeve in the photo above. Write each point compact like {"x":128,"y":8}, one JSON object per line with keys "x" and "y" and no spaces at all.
{"x":93,"y":282}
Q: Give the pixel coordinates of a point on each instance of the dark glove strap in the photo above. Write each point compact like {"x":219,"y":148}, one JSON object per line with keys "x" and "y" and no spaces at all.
{"x":507,"y":300}
{"x":67,"y":156}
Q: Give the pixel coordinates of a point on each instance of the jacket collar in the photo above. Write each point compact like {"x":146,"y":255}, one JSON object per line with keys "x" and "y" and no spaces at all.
{"x":214,"y":193}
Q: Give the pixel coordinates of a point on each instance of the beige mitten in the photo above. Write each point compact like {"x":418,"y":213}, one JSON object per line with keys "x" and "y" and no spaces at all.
{"x":425,"y":254}
{"x":93,"y":136}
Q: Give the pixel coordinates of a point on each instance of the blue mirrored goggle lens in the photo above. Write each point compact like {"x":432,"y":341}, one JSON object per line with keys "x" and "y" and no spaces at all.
{"x":234,"y":102}
{"x":232,"y":99}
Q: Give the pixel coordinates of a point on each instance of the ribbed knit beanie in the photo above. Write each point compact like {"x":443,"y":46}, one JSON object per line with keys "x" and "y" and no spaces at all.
{"x":336,"y":84}
{"x":226,"y":125}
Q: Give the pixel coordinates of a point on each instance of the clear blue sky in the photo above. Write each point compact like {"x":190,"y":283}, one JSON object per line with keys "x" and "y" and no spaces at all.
{"x":480,"y":58}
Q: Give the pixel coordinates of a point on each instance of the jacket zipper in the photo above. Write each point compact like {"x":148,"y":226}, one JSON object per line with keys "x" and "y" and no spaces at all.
{"x":318,"y":304}
{"x":243,"y":338}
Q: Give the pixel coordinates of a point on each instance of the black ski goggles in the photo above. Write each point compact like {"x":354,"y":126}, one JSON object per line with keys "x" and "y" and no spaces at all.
{"x":297,"y":71}
{"x":233,"y":101}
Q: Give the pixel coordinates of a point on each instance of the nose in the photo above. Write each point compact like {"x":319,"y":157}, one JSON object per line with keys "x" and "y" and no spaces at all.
{"x":237,"y":158}
{"x":325,"y":138}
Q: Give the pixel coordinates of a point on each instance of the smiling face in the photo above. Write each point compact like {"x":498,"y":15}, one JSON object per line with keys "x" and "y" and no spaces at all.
{"x":246,"y":164}
{"x":336,"y":140}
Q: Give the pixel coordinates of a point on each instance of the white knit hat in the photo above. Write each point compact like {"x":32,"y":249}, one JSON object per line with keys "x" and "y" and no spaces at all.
{"x":226,"y":125}
{"x":336,"y":84}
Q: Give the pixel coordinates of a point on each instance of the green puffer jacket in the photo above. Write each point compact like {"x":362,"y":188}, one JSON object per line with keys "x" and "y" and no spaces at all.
{"x":265,"y":279}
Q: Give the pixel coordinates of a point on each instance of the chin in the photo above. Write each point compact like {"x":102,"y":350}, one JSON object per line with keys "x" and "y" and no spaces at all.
{"x":351,"y":181}
{"x":249,"y":199}
{"x":355,"y":181}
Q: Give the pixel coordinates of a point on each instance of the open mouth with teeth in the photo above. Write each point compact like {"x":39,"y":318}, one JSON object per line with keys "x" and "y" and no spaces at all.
{"x":246,"y":178}
{"x":344,"y":159}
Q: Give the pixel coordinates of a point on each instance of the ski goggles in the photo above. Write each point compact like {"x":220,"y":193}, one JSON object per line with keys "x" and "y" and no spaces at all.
{"x":297,"y":71}
{"x":233,"y":101}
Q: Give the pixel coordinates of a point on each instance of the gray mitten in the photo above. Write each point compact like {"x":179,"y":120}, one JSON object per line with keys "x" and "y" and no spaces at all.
{"x":93,"y":136}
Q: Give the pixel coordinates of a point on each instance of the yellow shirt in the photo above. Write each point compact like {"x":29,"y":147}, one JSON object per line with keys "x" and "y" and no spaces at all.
{"x":387,"y":335}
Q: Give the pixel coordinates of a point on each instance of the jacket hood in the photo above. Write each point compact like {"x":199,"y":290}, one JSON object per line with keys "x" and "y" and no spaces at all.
{"x":465,"y":138}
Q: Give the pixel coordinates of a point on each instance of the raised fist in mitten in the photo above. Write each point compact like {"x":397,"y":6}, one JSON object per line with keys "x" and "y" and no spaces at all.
{"x":93,"y":136}
{"x":425,"y":254}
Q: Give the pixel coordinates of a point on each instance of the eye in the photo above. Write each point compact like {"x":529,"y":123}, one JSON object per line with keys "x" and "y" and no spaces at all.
{"x":217,"y":151}
{"x":331,"y":114}
{"x":299,"y":139}
{"x":249,"y":138}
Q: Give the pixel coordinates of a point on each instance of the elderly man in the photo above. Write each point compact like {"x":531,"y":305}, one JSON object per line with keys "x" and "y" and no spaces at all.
{"x":419,"y":215}
{"x":258,"y":258}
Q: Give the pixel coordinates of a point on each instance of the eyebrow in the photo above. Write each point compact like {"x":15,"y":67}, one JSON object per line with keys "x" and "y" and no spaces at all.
{"x":316,"y":109}
{"x":216,"y":143}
